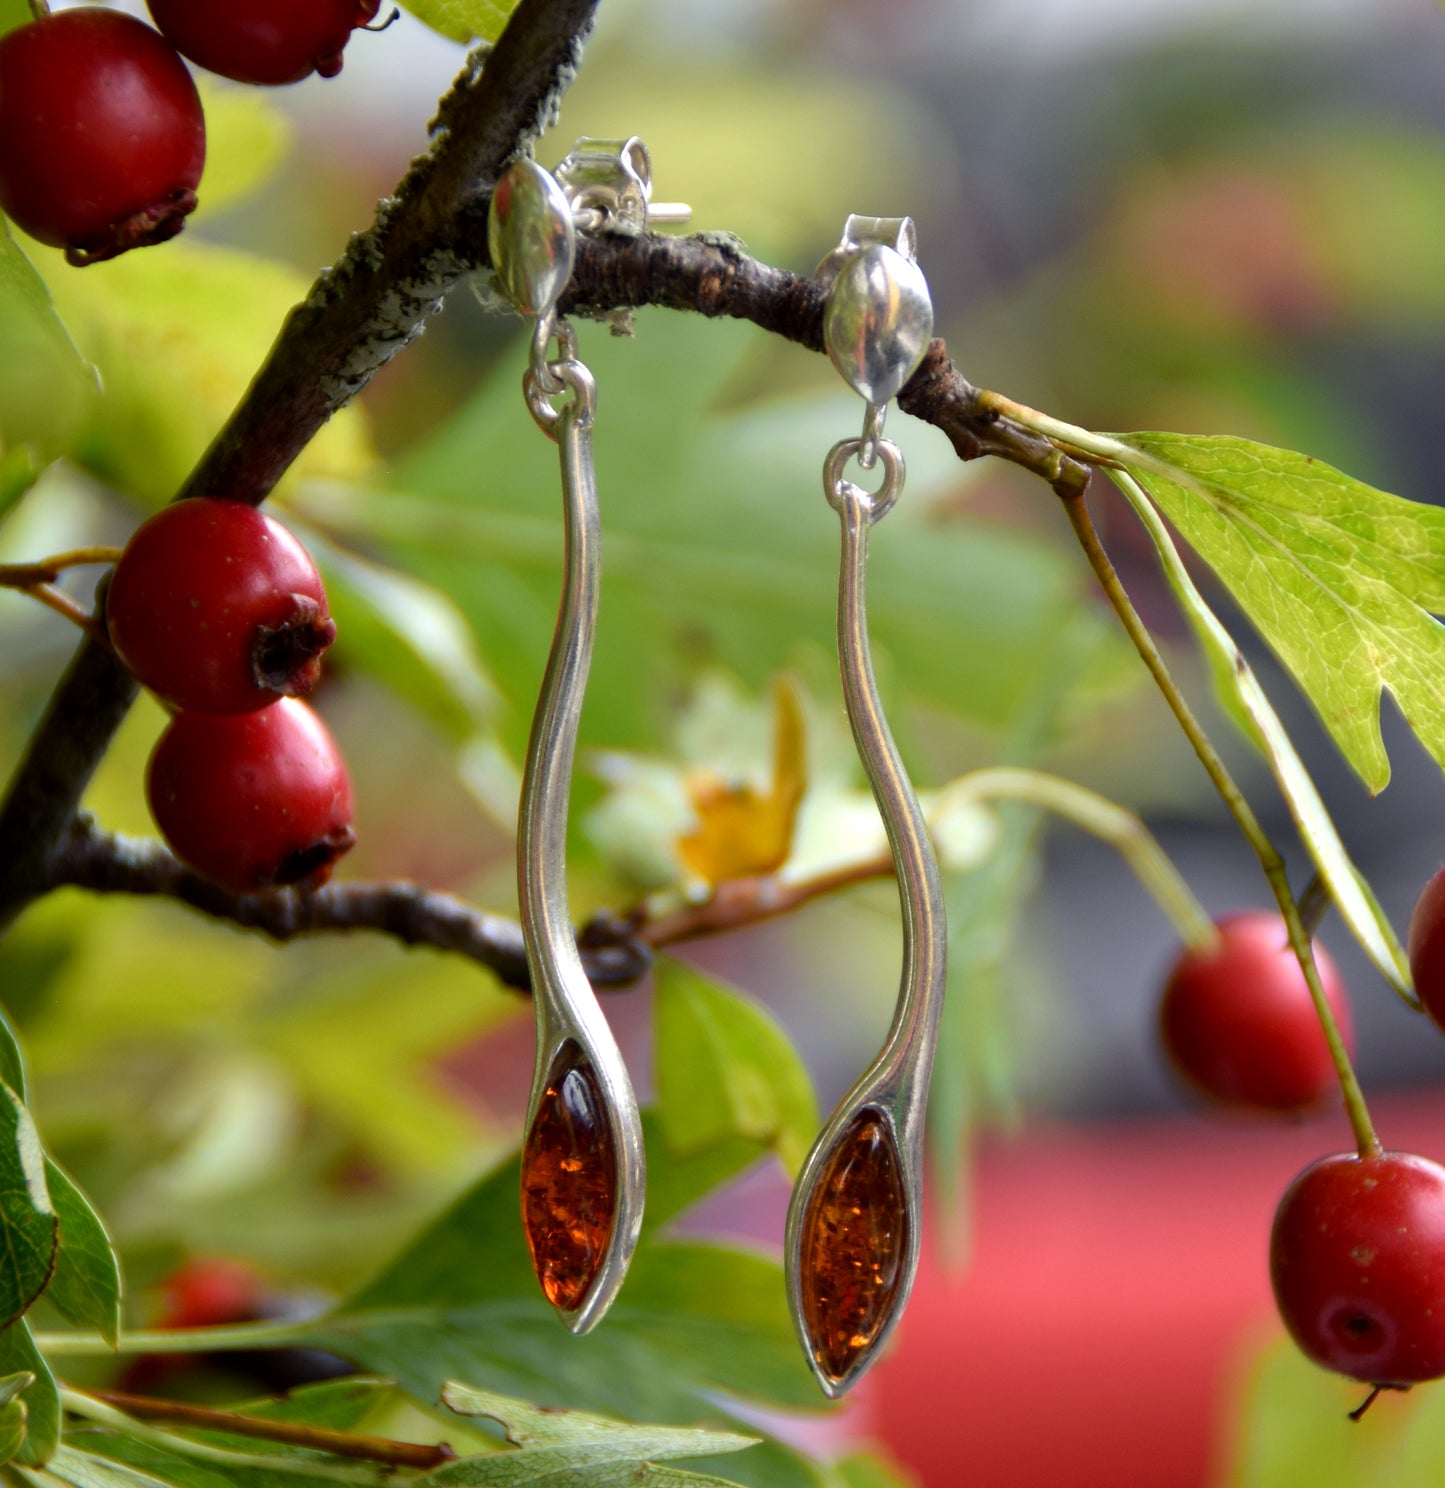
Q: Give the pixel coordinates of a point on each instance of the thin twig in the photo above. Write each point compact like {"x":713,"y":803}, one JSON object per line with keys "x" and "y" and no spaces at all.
{"x":63,"y":604}
{"x":742,"y":902}
{"x":292,"y":1433}
{"x":110,"y":863}
{"x":1269,"y":859}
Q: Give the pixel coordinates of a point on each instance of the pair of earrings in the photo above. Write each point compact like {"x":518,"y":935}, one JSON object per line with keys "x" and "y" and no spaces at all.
{"x":853,"y":1226}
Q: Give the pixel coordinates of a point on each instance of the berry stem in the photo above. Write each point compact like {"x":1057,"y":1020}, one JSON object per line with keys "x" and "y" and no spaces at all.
{"x":1106,"y":820}
{"x":63,"y":604}
{"x":82,"y":1403}
{"x":227,"y":1337}
{"x":47,"y":570}
{"x":39,"y":9}
{"x":1075,"y":506}
{"x":292,"y":1433}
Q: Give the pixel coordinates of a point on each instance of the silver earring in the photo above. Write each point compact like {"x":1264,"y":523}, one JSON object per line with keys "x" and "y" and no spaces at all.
{"x":853,"y":1225}
{"x":583,"y":1169}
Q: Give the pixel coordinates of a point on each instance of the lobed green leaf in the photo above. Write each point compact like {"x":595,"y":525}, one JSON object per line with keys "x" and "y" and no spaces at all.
{"x":1342,"y":580}
{"x":574,"y":1445}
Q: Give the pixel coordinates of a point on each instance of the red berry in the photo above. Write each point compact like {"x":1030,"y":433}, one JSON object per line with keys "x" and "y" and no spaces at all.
{"x":1426,"y":943}
{"x":217,"y":608}
{"x":1357,"y":1259}
{"x":252,"y":800}
{"x":263,"y":41}
{"x":207,"y":1291}
{"x":102,"y":139}
{"x":1238,"y":1021}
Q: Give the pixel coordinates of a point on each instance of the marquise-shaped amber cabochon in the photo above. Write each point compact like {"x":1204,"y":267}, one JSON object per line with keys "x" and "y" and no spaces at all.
{"x":854,"y":1243}
{"x":569,"y":1181}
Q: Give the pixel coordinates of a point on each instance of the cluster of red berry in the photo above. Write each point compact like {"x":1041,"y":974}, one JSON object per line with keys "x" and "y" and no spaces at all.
{"x":220,"y":611}
{"x":1357,"y":1253}
{"x":102,"y":139}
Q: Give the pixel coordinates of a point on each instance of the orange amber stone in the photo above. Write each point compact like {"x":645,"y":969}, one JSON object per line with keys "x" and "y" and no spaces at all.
{"x":569,"y":1182}
{"x":855,"y":1233}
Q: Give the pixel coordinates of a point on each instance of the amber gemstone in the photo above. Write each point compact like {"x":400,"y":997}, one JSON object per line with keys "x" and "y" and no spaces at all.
{"x":569,"y":1182}
{"x":855,"y":1233}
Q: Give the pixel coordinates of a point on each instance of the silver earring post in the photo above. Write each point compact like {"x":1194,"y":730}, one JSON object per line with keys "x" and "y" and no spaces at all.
{"x":854,"y":1222}
{"x":583,"y":1167}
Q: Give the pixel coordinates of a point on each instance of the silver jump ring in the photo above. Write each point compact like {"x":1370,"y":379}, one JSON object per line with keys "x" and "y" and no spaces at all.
{"x":842,"y":493}
{"x":568,"y":375}
{"x":542,"y":366}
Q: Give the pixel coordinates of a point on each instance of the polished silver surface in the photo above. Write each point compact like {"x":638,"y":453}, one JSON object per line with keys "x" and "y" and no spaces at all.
{"x":895,"y":1086}
{"x":878,"y":321}
{"x":532,"y":241}
{"x":531,"y":238}
{"x":566,"y":1008}
{"x":609,"y":184}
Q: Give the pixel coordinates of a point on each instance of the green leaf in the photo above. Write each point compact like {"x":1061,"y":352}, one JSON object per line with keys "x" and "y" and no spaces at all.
{"x":725,"y":1068}
{"x":339,"y":1405}
{"x":1354,"y":898}
{"x":410,"y":635}
{"x":86,"y":1470}
{"x":247,"y":137}
{"x":14,"y":13}
{"x":20,"y":468}
{"x":864,"y":1470}
{"x":45,"y":384}
{"x":583,"y":1448}
{"x":476,"y":511}
{"x":177,"y":337}
{"x":464,"y":20}
{"x":1341,"y":579}
{"x":462,"y":1302}
{"x":12,"y":1060}
{"x":18,"y":1354}
{"x":13,"y":1425}
{"x":86,"y":1287}
{"x":28,"y":1220}
{"x":13,"y":1386}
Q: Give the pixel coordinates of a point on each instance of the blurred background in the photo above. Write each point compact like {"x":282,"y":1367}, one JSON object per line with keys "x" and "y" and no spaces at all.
{"x":1140,"y":214}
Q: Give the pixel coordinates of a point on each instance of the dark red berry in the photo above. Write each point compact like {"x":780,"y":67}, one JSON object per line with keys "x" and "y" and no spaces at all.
{"x":1238,"y":1022}
{"x":1357,"y":1259}
{"x":101,"y":134}
{"x":263,"y":41}
{"x":252,"y":800}
{"x":1426,"y":944}
{"x":209,"y":1291}
{"x":217,"y":608}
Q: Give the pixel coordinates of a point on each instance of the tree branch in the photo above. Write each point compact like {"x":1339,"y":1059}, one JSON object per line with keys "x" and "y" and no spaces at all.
{"x":112,"y":864}
{"x":715,"y":276}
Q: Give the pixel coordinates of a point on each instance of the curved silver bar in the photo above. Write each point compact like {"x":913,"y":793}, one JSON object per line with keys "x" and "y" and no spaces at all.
{"x":895,"y":1086}
{"x":566,"y":1008}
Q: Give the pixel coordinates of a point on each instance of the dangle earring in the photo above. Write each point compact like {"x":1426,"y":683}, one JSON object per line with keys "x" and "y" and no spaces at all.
{"x":582,"y":1161}
{"x":853,"y":1225}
